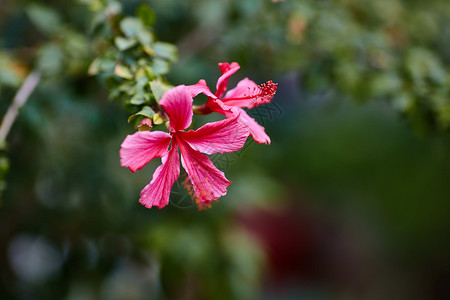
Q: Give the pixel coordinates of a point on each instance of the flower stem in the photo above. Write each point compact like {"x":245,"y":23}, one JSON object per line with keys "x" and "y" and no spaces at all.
{"x":19,"y":100}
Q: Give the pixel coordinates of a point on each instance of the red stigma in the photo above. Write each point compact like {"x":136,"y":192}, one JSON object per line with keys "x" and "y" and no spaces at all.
{"x":266,"y":92}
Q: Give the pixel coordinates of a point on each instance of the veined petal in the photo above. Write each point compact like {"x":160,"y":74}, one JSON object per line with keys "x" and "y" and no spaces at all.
{"x":248,"y":94}
{"x":256,"y":130}
{"x":209,"y":183}
{"x":241,"y":95}
{"x":227,"y":70}
{"x":177,"y":102}
{"x":217,"y":137}
{"x":157,"y":192}
{"x":141,"y":147}
{"x":216,"y":105}
{"x":199,"y":87}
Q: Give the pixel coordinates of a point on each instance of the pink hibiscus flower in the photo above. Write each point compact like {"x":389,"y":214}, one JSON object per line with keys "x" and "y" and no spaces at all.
{"x":208,"y":183}
{"x":246,"y":94}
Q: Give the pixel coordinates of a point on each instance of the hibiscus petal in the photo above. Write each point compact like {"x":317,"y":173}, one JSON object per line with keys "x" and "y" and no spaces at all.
{"x":245,"y":88}
{"x":199,"y":87}
{"x":256,"y":130}
{"x":141,"y":147}
{"x":177,"y":102}
{"x":217,"y":137}
{"x":227,"y":70}
{"x":157,"y":192}
{"x":209,"y":183}
{"x":216,"y":105}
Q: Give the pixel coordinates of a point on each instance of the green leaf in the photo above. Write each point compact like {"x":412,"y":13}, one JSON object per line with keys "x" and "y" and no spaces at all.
{"x":131,"y":26}
{"x":126,"y":86}
{"x":44,"y":18}
{"x":138,"y":99}
{"x":123,"y":71}
{"x":94,"y":67}
{"x":8,"y":74}
{"x":4,"y":165}
{"x":124,"y":43}
{"x":159,"y":88}
{"x":166,"y":51}
{"x":149,"y":72}
{"x":50,"y":59}
{"x":385,"y":83}
{"x":146,"y":14}
{"x":145,"y":38}
{"x":146,"y":111}
{"x":160,"y":66}
{"x":148,"y":50}
{"x":107,"y":65}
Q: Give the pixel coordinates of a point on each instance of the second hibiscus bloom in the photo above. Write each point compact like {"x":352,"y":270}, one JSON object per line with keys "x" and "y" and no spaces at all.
{"x":247,"y":94}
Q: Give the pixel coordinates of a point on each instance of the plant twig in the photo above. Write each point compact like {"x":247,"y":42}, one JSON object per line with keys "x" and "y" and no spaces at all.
{"x":19,"y":100}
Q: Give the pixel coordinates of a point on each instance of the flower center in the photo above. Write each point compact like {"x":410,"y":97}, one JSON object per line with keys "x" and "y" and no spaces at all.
{"x":260,"y":94}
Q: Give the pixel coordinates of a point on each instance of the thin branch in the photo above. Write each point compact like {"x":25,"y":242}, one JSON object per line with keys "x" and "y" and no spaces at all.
{"x":19,"y":100}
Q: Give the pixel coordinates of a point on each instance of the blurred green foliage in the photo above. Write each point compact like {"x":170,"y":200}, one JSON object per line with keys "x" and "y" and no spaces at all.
{"x":371,"y":197}
{"x":131,"y":61}
{"x":394,"y":51}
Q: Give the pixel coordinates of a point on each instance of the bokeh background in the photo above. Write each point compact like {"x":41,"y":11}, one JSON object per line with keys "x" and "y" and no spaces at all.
{"x":350,"y":201}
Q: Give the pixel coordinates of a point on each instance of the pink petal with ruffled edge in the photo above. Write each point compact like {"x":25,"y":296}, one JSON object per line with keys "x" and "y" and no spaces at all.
{"x":217,"y":137}
{"x":227,"y":70}
{"x":141,"y":147}
{"x":177,"y":103}
{"x":245,"y":88}
{"x":157,"y":192}
{"x":216,"y":105}
{"x":199,"y":87}
{"x":209,"y":183}
{"x":256,"y":130}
